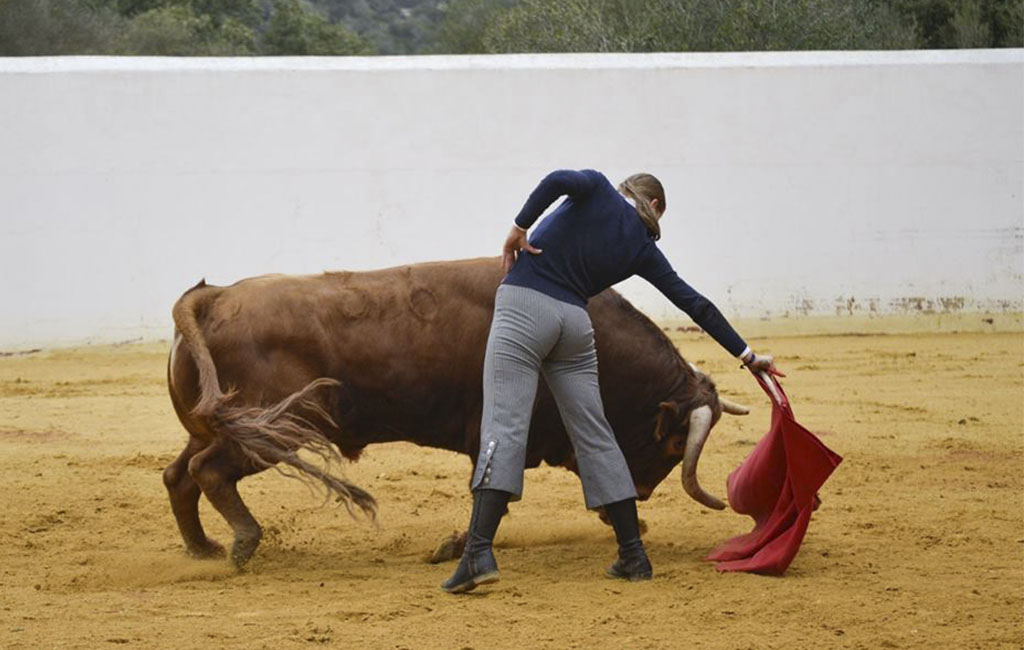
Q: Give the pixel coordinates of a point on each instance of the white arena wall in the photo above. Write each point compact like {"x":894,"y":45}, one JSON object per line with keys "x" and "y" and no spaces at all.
{"x":797,"y":183}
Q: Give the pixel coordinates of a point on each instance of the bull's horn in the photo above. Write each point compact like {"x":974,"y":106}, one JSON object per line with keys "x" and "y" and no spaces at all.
{"x":732,"y":408}
{"x":700,"y":427}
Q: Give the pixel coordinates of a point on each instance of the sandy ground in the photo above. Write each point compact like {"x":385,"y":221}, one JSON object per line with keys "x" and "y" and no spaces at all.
{"x":919,"y":543}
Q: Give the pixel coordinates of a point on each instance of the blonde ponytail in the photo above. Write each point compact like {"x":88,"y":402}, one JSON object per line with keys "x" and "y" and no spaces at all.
{"x":644,"y":188}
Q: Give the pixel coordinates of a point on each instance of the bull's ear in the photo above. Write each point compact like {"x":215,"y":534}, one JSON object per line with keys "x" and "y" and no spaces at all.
{"x":667,"y":412}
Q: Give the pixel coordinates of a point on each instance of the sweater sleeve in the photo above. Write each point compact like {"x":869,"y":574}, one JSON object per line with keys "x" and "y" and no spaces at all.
{"x":576,"y":184}
{"x":653,"y":267}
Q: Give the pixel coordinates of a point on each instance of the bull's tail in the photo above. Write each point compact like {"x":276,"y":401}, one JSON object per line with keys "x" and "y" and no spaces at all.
{"x":269,"y":436}
{"x":273,"y":436}
{"x":186,"y":321}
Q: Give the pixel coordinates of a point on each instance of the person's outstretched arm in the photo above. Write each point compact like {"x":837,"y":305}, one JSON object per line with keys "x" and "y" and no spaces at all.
{"x":654,"y":268}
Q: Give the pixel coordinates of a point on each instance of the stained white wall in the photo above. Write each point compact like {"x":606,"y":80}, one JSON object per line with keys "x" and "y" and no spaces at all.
{"x":796,"y":181}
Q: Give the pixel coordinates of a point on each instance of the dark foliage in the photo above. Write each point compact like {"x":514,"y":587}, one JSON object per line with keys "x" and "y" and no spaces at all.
{"x":339,"y":27}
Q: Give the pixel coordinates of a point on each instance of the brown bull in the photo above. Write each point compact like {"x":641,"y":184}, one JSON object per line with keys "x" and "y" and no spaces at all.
{"x":331,"y":363}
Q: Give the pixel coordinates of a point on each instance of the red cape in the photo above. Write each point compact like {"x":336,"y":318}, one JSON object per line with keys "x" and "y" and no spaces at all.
{"x":777,"y":485}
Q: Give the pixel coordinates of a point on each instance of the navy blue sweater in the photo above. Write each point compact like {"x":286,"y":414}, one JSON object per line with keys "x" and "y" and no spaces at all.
{"x":595,"y":239}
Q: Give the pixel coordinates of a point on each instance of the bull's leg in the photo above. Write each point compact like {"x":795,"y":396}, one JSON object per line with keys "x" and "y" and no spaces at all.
{"x":184,"y":495}
{"x":217,"y":470}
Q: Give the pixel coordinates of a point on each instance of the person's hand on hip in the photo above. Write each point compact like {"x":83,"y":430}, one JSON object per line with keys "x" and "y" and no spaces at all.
{"x":514,"y":243}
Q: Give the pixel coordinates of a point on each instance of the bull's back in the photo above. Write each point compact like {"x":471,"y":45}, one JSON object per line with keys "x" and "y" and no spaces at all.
{"x":392,"y":332}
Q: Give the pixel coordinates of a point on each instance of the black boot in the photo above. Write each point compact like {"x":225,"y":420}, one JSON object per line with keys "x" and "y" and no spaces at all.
{"x":478,"y":566}
{"x":632,"y":563}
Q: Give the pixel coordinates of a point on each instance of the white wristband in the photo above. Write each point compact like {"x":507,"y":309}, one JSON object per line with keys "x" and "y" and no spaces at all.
{"x":518,"y":227}
{"x":745,"y":352}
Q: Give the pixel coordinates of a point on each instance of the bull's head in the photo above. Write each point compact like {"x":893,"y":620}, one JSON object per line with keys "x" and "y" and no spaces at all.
{"x":682,"y":434}
{"x":681,"y":428}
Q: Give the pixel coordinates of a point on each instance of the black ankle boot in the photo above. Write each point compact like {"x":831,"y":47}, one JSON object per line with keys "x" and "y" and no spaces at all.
{"x":477,"y":565}
{"x":632,"y":563}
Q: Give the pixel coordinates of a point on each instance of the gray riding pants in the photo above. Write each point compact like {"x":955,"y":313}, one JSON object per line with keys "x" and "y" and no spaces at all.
{"x":533,"y":333}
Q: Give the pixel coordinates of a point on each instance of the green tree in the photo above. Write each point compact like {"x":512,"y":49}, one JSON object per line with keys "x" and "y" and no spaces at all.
{"x":969,"y":27}
{"x":179,"y":31}
{"x":1007,"y":23}
{"x":295,"y":29}
{"x":540,"y":26}
{"x":391,"y":26}
{"x":52,"y":27}
{"x":245,"y":12}
{"x":464,"y":24}
{"x":758,"y":25}
{"x":672,"y":26}
{"x":132,"y":8}
{"x":941,"y":24}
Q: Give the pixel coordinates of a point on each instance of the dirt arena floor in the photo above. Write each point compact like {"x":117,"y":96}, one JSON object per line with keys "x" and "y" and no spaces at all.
{"x":919,"y":542}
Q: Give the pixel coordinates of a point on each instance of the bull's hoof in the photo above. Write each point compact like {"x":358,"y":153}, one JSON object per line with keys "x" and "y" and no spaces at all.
{"x":209,"y":550}
{"x":449,"y":549}
{"x":244,"y":547}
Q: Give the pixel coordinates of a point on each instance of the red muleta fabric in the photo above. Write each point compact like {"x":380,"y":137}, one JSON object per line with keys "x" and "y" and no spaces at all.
{"x":777,"y":485}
